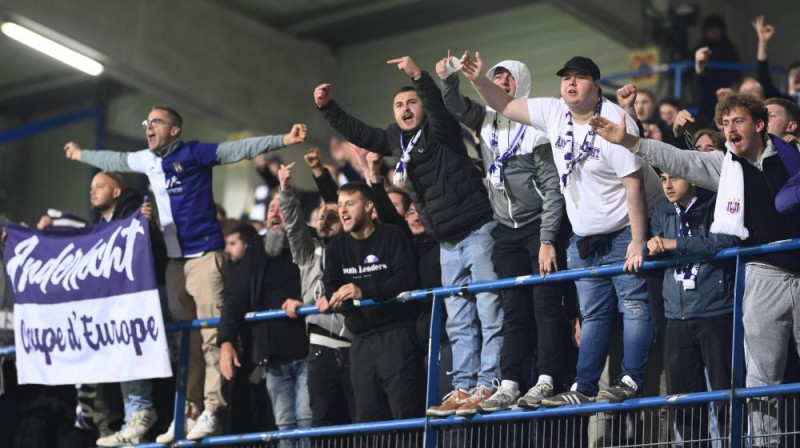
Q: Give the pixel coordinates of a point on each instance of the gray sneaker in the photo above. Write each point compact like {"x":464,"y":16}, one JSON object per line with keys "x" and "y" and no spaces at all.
{"x":500,"y":400}
{"x":533,"y":399}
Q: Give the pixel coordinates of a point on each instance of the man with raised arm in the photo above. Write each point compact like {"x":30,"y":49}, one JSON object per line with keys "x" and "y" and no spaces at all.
{"x":180,"y":174}
{"x":746,"y":178}
{"x":329,"y":386}
{"x":449,"y":196}
{"x":607,"y":203}
{"x":522,"y":182}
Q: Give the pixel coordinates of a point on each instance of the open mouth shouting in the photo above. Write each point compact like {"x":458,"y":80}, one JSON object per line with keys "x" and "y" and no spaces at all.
{"x":274,"y":222}
{"x":737,"y":142}
{"x":408,"y":119}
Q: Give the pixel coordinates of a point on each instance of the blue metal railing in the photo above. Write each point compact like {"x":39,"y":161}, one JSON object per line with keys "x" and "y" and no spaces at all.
{"x":736,"y":395}
{"x":677,"y":68}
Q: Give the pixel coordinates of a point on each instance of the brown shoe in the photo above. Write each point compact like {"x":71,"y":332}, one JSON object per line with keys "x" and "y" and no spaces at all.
{"x":470,"y":405}
{"x":450,"y":404}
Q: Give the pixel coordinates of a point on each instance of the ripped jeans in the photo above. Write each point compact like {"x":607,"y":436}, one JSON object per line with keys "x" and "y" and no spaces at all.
{"x":601,"y":298}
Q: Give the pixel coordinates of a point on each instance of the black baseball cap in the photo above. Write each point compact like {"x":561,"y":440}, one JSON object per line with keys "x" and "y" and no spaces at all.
{"x":581,"y":64}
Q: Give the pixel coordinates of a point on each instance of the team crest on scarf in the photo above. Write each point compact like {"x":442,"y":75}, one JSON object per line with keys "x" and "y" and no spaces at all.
{"x":733,"y":206}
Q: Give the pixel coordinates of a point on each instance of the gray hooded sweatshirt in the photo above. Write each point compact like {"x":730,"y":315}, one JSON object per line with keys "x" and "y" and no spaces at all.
{"x":530,"y":189}
{"x":308,"y":253}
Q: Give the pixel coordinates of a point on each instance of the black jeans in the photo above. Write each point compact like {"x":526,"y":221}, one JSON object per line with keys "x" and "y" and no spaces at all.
{"x":329,"y":388}
{"x":693,"y":346}
{"x":387,"y":374}
{"x":516,"y":253}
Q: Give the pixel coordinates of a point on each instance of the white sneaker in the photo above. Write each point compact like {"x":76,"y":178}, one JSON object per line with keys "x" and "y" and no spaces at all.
{"x":134,"y":430}
{"x":207,"y":425}
{"x":169,"y":436}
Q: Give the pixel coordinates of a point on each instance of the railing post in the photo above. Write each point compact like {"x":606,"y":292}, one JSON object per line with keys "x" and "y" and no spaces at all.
{"x":737,"y":356}
{"x":434,"y":355}
{"x":179,"y":415}
{"x":678,"y":80}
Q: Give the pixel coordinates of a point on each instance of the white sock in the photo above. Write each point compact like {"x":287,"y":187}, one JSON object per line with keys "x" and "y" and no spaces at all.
{"x":513,"y":386}
{"x":629,"y":381}
{"x":546,"y":379}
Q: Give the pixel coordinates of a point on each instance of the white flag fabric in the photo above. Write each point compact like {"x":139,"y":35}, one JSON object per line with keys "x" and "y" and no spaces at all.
{"x":86,"y":305}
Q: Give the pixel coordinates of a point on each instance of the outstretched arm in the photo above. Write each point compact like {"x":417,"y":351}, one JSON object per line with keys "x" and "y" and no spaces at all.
{"x":468,"y":112}
{"x":493,"y":95}
{"x":230,"y":152}
{"x":326,"y":185}
{"x":765,"y":32}
{"x":626,"y":98}
{"x":700,"y":168}
{"x":353,"y":129}
{"x":442,"y":123}
{"x":300,"y":240}
{"x":112,"y":161}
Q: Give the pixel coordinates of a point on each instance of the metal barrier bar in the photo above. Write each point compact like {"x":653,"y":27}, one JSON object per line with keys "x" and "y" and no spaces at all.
{"x":30,"y":129}
{"x":434,"y":356}
{"x":737,"y":355}
{"x":634,"y":404}
{"x":182,"y":377}
{"x":677,"y":69}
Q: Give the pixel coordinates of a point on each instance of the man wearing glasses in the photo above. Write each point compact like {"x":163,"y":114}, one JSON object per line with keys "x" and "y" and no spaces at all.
{"x":180,"y":174}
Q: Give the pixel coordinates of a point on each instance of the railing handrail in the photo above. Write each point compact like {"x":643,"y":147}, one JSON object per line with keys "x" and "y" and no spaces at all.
{"x":576,"y":409}
{"x":677,"y":68}
{"x":505,"y":283}
{"x":428,"y":424}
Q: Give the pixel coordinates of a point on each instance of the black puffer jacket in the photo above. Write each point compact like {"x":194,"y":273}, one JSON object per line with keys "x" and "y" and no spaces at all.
{"x":444,"y":184}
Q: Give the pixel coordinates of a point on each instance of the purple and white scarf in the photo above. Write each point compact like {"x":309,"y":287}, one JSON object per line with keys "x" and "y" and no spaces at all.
{"x":497,"y":169}
{"x":688,"y":272}
{"x":585,"y":148}
{"x":400,"y":174}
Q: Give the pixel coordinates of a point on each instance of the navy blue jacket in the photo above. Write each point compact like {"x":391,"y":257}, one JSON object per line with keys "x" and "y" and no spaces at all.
{"x":713,"y":293}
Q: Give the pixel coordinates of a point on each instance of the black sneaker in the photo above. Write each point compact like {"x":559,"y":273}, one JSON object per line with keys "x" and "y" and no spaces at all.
{"x":623,"y":389}
{"x":566,"y":398}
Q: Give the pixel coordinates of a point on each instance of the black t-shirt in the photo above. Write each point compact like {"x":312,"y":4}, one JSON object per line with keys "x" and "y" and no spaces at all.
{"x":382,"y":265}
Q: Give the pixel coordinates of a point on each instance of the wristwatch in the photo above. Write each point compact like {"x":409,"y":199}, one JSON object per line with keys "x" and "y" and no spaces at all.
{"x":548,"y":242}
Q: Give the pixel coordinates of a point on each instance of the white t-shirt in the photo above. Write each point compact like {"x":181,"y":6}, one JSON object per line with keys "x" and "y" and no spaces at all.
{"x":595,"y":196}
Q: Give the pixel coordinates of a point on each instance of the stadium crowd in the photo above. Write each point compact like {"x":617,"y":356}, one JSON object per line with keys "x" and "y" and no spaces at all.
{"x":584,"y":178}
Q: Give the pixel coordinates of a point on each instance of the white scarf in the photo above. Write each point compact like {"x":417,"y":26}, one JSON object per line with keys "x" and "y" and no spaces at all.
{"x":729,"y":208}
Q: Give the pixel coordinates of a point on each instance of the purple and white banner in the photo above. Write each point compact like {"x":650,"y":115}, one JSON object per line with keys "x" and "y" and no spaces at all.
{"x":86,"y":306}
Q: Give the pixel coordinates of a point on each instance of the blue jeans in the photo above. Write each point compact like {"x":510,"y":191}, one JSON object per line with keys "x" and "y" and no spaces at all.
{"x":137,"y":396}
{"x":476,"y":357}
{"x":600,"y":299}
{"x":288,"y":392}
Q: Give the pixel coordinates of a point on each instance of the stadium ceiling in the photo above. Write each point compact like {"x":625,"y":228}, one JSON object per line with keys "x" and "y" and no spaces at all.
{"x":32,"y":83}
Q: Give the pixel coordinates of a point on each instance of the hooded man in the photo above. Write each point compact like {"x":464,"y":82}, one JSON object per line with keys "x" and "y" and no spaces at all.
{"x":523,"y":190}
